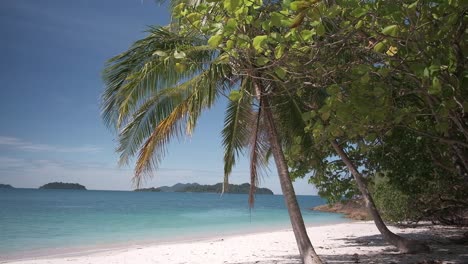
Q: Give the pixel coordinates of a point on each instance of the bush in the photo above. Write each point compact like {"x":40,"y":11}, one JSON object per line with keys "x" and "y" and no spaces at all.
{"x":394,"y":205}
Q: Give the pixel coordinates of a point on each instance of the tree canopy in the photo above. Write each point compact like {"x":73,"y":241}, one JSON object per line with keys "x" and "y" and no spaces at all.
{"x":376,"y":90}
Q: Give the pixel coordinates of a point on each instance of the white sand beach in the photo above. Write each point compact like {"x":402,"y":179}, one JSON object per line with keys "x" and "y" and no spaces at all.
{"x":355,"y":242}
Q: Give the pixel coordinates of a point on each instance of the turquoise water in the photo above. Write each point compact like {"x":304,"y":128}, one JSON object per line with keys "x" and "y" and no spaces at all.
{"x":35,"y":221}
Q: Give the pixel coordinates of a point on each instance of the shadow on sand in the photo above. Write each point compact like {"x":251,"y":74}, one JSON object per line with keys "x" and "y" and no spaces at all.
{"x":445,"y":243}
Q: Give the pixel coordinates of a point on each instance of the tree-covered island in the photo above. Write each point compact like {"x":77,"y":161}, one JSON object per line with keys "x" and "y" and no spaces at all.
{"x":215,"y":188}
{"x":63,"y":186}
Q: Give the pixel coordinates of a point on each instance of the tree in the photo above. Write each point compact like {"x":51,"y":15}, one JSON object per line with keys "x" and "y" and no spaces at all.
{"x":159,"y":87}
{"x":354,"y":105}
{"x":386,"y":72}
{"x":421,"y":171}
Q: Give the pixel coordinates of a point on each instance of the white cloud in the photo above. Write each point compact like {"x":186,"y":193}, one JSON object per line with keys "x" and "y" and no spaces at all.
{"x":19,"y":144}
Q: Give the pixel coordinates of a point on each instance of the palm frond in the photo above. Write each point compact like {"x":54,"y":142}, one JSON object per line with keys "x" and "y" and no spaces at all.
{"x":185,"y":104}
{"x":236,"y":131}
{"x":259,"y":149}
{"x":155,"y":146}
{"x":150,"y":113}
{"x":150,"y":64}
{"x":289,"y":110}
{"x":150,"y":99}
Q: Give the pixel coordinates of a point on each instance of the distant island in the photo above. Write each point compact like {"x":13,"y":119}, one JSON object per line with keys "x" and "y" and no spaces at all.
{"x":195,"y":187}
{"x":63,"y":186}
{"x":6,"y":186}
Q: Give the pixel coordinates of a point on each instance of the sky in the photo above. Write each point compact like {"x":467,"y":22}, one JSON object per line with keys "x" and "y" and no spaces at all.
{"x":53,"y":52}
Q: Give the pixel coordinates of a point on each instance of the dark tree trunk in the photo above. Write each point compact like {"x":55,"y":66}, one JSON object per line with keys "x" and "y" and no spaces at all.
{"x":306,"y":249}
{"x":403,"y":244}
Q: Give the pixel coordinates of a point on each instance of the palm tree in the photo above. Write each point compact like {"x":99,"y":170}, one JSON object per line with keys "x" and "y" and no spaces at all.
{"x":156,"y":91}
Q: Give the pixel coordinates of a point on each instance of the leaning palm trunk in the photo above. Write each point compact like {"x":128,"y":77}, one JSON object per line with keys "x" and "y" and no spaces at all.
{"x":403,"y":244}
{"x":306,"y":249}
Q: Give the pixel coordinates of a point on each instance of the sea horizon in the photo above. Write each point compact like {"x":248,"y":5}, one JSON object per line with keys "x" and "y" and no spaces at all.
{"x":41,"y":223}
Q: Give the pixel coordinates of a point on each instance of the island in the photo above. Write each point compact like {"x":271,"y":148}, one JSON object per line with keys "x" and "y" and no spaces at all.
{"x":63,"y":186}
{"x":6,"y":186}
{"x":216,"y":188}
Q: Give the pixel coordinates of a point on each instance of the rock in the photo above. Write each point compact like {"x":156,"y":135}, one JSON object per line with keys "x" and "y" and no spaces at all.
{"x":353,"y":209}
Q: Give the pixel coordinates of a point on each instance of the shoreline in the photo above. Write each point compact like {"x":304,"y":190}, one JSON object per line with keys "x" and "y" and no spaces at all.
{"x":80,"y":251}
{"x":334,"y":243}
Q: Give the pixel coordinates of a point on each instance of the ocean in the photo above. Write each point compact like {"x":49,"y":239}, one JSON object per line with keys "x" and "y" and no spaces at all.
{"x":43,"y":222}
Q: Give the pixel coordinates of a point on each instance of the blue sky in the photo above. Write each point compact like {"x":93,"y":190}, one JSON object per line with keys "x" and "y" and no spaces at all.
{"x":53,"y":52}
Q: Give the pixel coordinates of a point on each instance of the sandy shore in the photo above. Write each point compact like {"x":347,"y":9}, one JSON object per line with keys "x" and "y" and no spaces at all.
{"x":355,"y":242}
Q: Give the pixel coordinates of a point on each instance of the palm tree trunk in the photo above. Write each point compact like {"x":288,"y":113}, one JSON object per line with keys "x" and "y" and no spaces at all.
{"x":403,"y":244}
{"x":306,"y":249}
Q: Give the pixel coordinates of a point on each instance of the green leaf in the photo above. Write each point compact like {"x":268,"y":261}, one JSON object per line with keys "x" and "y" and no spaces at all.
{"x":215,"y":40}
{"x":179,"y":55}
{"x":306,"y":34}
{"x":266,"y":25}
{"x":280,"y":72}
{"x":379,"y":47}
{"x":365,"y":78}
{"x":279,"y":51}
{"x":229,"y":44}
{"x":413,"y":5}
{"x":193,"y":17}
{"x":275,"y":19}
{"x":178,"y":8}
{"x":333,"y":89}
{"x":436,"y":87}
{"x":325,"y":115}
{"x":299,"y":5}
{"x":358,"y":12}
{"x":307,"y":116}
{"x":320,"y":29}
{"x":231,"y":5}
{"x":262,"y":61}
{"x":334,"y":11}
{"x":231,"y":24}
{"x":359,"y":24}
{"x":243,"y":37}
{"x":235,"y":95}
{"x":258,"y":42}
{"x":434,"y":68}
{"x":426,"y":72}
{"x":391,"y":30}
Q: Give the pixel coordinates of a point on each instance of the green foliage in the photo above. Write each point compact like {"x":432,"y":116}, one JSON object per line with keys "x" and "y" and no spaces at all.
{"x":417,"y":174}
{"x":394,"y":205}
{"x":369,"y":74}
